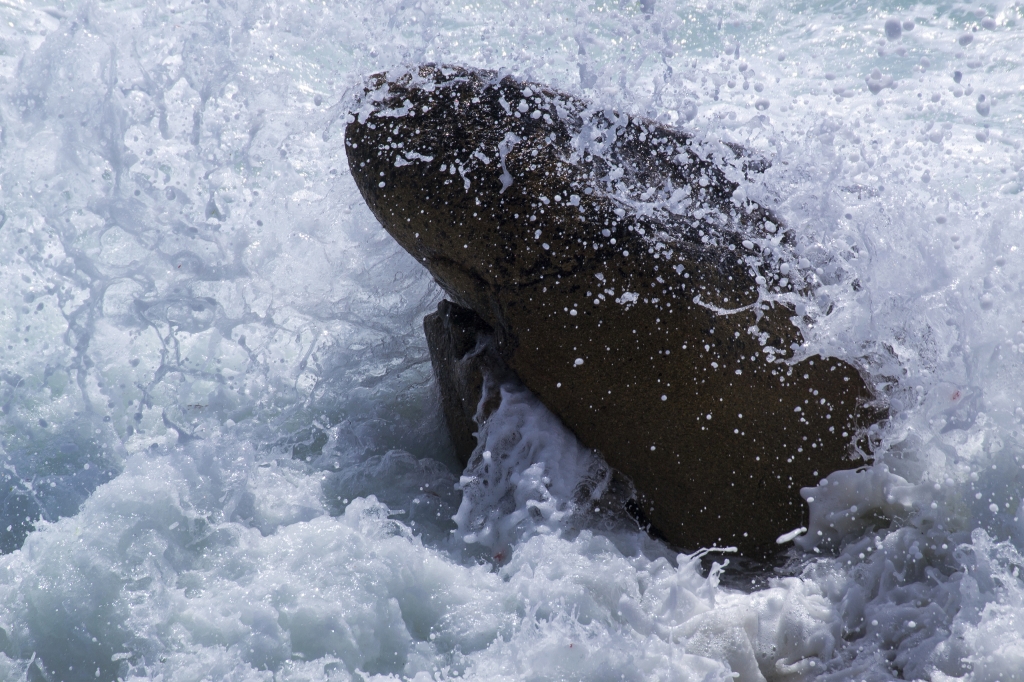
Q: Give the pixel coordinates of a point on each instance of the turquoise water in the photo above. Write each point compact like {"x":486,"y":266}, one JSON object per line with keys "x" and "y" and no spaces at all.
{"x":222,"y":455}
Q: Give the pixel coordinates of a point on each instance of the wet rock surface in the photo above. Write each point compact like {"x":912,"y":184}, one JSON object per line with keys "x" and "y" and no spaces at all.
{"x":462,"y":357}
{"x":616,"y":263}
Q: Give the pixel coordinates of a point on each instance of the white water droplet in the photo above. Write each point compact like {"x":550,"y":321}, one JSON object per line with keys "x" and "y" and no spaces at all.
{"x":893,"y":29}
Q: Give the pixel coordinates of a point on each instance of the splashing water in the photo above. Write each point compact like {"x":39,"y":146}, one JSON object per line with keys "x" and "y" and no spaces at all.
{"x":221,"y":452}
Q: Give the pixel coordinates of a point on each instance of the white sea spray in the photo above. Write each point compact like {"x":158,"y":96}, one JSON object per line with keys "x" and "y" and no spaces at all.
{"x":221,"y":453}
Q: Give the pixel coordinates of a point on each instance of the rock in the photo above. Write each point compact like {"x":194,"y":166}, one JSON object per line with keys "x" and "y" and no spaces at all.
{"x":462,"y":358}
{"x":628,"y":283}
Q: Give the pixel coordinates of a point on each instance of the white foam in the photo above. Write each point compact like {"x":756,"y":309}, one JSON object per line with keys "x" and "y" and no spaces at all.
{"x":216,"y":394}
{"x":529,"y":475}
{"x":170,"y":581}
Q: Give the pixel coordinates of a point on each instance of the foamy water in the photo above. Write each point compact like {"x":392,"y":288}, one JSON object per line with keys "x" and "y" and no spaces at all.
{"x":222,"y":455}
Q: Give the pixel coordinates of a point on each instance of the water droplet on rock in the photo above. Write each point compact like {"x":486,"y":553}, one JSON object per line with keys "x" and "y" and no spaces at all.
{"x":893,"y":29}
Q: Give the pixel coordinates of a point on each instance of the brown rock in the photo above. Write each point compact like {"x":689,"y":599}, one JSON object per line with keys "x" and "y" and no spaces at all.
{"x":607,"y":255}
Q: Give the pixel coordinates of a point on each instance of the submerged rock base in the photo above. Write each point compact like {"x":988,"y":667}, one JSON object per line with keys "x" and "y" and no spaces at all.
{"x":462,"y":357}
{"x":473,"y":382}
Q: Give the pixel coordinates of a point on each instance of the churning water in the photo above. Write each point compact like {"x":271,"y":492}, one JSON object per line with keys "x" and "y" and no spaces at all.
{"x":221,"y":452}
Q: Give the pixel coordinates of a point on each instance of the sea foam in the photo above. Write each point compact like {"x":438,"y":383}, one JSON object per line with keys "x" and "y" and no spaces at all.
{"x":222,"y":456}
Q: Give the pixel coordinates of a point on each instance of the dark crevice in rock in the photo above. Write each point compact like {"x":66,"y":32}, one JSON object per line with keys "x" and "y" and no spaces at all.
{"x":461,"y":355}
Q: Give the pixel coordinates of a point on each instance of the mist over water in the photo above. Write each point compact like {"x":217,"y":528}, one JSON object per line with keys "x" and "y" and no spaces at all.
{"x":222,"y":456}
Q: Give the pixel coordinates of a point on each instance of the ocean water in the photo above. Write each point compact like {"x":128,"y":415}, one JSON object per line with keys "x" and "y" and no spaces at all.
{"x":222,"y":456}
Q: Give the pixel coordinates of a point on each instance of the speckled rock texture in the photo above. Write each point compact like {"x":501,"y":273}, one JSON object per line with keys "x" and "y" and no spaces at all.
{"x":616,"y":263}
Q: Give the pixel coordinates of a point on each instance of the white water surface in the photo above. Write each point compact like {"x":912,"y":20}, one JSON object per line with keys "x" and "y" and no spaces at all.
{"x":222,"y":455}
